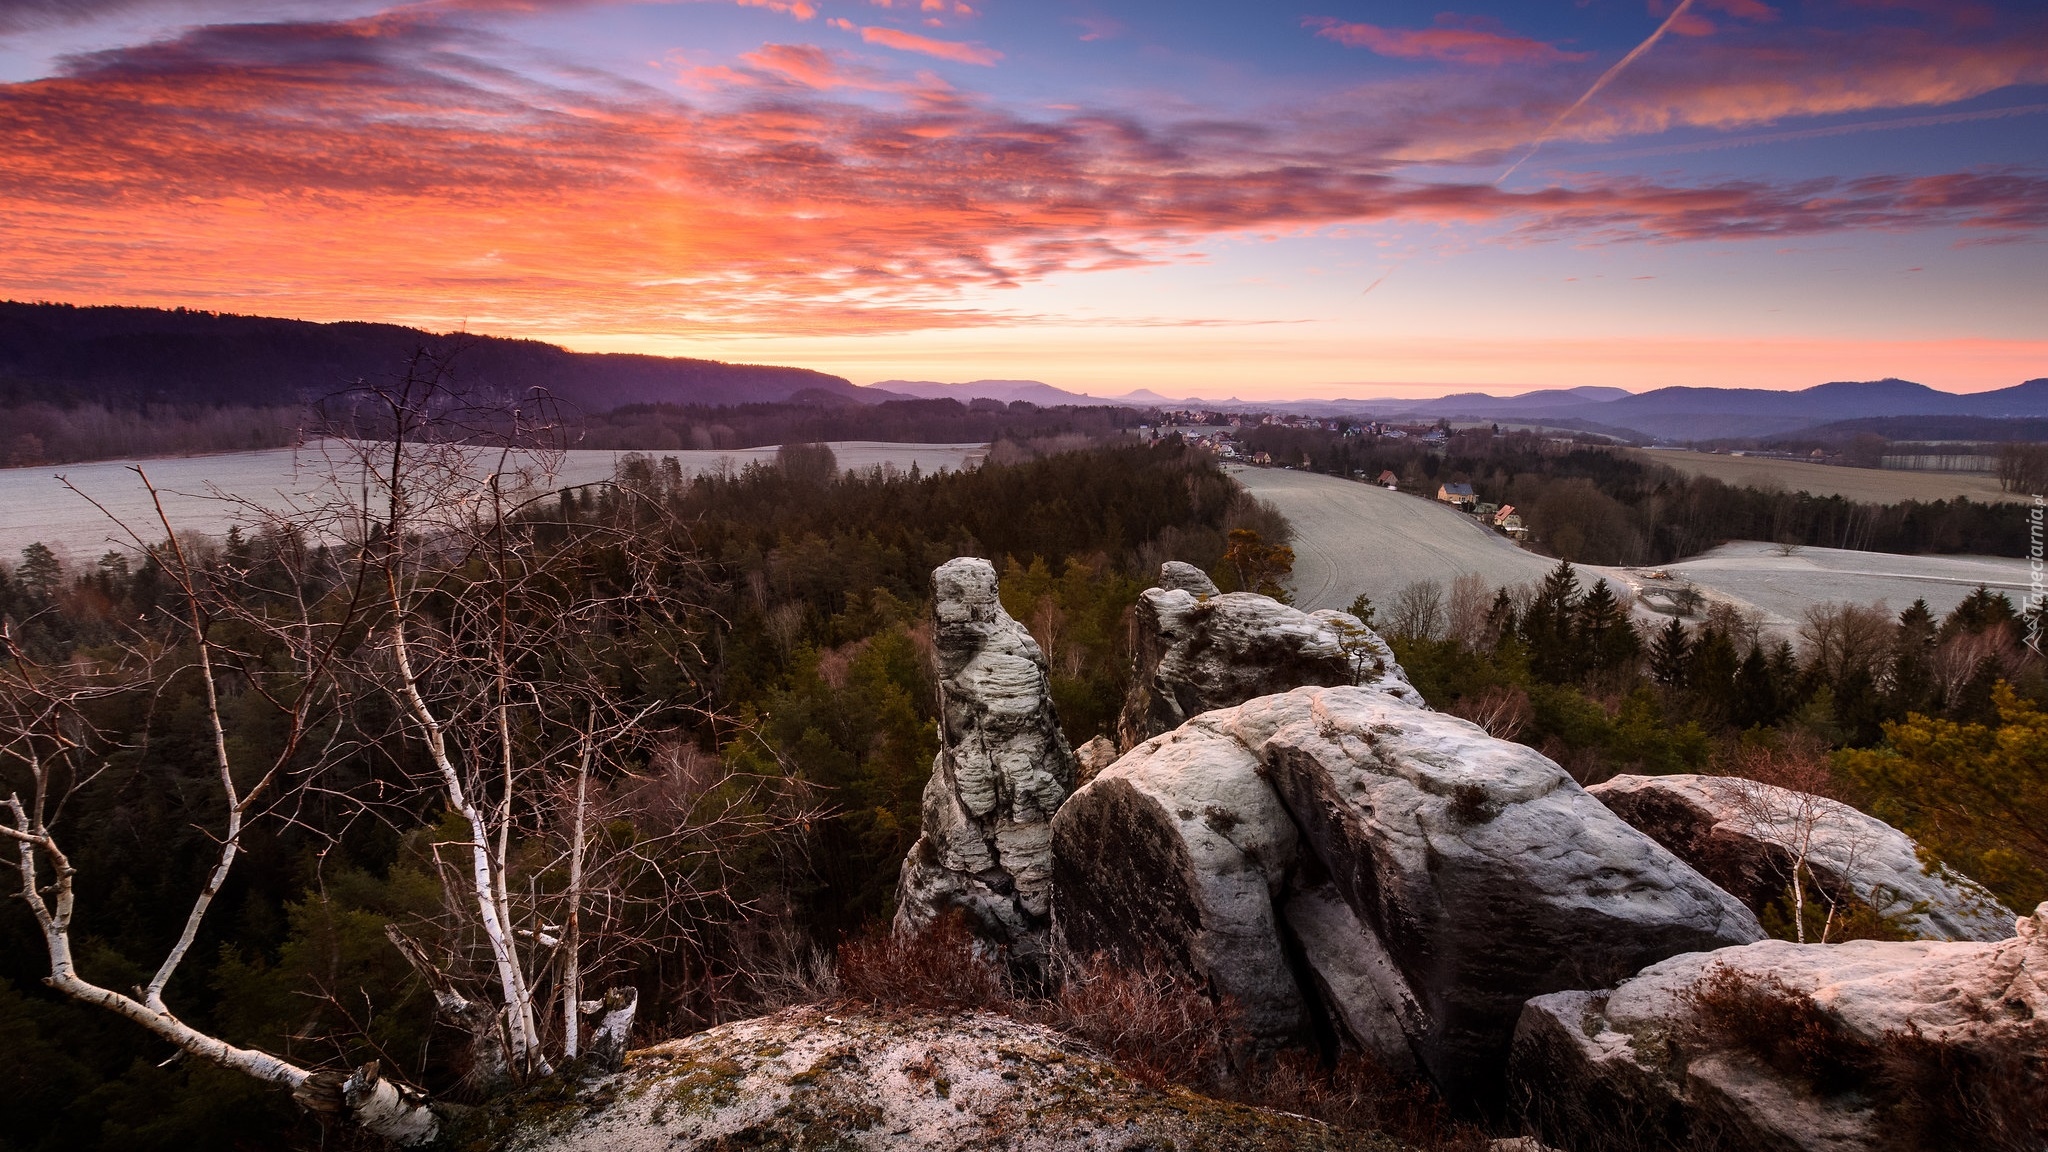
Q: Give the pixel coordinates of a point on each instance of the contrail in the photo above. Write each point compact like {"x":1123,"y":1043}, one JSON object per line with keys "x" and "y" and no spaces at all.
{"x":1606,"y":78}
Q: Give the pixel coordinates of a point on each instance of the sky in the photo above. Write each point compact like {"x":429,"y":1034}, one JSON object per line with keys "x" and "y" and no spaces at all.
{"x":1259,"y":198}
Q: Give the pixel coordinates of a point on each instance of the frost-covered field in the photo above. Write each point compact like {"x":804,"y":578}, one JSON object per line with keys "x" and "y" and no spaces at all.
{"x":1352,"y":538}
{"x":1870,"y":485}
{"x":1751,"y":572}
{"x":34,"y":506}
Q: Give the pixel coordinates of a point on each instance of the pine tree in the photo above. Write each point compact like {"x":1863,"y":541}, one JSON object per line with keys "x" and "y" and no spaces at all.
{"x":1670,"y":653}
{"x":1980,"y":611}
{"x":1911,"y":685}
{"x":1756,"y":691}
{"x":1606,"y":641}
{"x":1547,"y":628}
{"x":40,"y":572}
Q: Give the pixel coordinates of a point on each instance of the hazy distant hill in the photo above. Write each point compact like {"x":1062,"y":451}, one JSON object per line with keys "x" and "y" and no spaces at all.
{"x":129,"y":356}
{"x":1679,"y":413}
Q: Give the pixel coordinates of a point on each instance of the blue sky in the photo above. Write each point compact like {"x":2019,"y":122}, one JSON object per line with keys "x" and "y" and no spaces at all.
{"x":1243,"y":199}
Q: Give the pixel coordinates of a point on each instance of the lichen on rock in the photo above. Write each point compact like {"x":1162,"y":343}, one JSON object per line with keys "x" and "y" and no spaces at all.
{"x":808,"y":1080}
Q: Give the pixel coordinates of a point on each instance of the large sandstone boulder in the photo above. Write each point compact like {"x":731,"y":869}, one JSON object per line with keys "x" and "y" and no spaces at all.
{"x":1002,"y":770}
{"x":805,"y":1079}
{"x":1800,"y":1048}
{"x":1740,"y":834}
{"x":1472,"y":873}
{"x":1198,"y":650}
{"x":1179,"y":852}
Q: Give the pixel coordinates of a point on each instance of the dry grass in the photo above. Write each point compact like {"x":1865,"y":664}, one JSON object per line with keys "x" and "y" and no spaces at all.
{"x":1988,"y":1091}
{"x":1159,"y":1025}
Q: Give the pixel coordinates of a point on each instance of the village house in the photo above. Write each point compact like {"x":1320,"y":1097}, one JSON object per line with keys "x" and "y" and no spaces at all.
{"x":1459,"y":495}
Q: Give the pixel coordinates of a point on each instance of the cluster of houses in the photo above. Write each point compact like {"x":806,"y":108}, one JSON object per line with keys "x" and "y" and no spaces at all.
{"x":1502,"y":517}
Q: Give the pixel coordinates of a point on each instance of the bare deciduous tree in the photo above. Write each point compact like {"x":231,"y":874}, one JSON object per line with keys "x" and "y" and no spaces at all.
{"x":1778,"y":799}
{"x":1418,"y":611}
{"x":531,"y":706}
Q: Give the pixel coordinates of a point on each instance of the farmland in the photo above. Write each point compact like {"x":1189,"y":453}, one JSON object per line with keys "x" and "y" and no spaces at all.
{"x":1868,"y":485}
{"x":1352,"y":538}
{"x":39,"y":508}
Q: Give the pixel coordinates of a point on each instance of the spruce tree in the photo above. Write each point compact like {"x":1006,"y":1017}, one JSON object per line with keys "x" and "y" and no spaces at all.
{"x":1756,"y":691}
{"x":1911,"y":686}
{"x":1670,"y":653}
{"x":1547,"y":628}
{"x":1500,"y":619}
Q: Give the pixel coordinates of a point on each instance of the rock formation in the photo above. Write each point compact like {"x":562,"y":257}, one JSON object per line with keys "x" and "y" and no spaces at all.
{"x":804,"y":1079}
{"x":1341,"y":852}
{"x":1198,"y":650}
{"x":1885,"y":1044}
{"x":1737,"y":833}
{"x":1002,"y":770}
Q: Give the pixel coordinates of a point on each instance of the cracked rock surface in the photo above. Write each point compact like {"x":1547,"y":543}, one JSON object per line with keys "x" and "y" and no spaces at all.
{"x":1002,"y":770}
{"x":1198,"y":650}
{"x":1474,"y":873}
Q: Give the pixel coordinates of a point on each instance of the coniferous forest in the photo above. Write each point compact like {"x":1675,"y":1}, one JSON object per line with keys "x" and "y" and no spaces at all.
{"x":681,"y":727}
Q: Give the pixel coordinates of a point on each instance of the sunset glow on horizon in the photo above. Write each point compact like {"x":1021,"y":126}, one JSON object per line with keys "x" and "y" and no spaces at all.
{"x":1216,"y":199}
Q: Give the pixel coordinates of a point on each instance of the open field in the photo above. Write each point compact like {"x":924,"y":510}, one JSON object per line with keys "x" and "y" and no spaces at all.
{"x":34,"y":506}
{"x":1754,"y":573}
{"x":1351,"y":538}
{"x":1870,"y":485}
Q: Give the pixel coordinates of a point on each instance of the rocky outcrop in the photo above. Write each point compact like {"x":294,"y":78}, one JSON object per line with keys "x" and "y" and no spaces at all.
{"x":1179,"y":852}
{"x":1806,"y":1047}
{"x":806,"y":1079}
{"x":1738,"y":833}
{"x":1002,"y":770}
{"x":1198,"y":650}
{"x":1472,"y":874}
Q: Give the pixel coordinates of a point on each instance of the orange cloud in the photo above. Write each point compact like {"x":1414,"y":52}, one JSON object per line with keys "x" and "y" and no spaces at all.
{"x":943,"y":49}
{"x":1457,"y":39}
{"x":328,"y":170}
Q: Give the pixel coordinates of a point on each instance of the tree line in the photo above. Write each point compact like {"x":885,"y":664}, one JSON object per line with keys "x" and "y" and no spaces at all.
{"x":1595,"y":505}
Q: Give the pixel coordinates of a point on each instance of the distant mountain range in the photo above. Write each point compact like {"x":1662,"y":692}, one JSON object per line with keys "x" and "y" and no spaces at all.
{"x":58,"y":352}
{"x":1679,"y":413}
{"x":124,"y":356}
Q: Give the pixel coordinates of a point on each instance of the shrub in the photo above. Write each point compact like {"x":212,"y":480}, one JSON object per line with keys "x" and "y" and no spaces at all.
{"x":1160,"y":1025}
{"x":1987,"y":1090}
{"x":1780,"y":1026}
{"x":943,"y":966}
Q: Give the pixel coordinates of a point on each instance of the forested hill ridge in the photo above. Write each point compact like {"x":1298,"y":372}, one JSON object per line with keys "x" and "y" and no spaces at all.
{"x":126,"y":357}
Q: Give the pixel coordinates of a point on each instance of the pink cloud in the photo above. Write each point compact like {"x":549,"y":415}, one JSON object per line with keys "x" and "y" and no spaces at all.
{"x":1456,"y":39}
{"x":943,"y":49}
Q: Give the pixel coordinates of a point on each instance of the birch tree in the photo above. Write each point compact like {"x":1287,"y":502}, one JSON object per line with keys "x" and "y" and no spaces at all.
{"x":534,"y":664}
